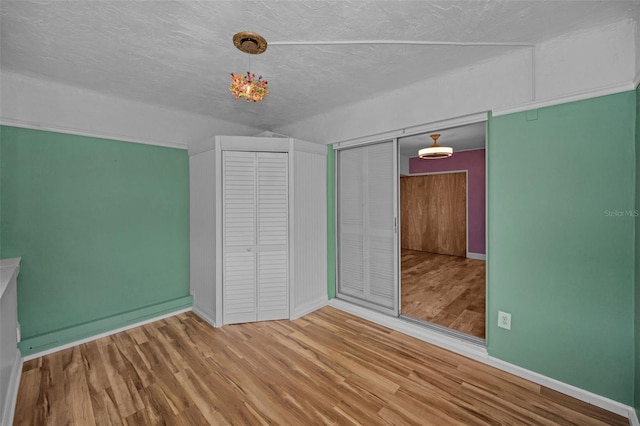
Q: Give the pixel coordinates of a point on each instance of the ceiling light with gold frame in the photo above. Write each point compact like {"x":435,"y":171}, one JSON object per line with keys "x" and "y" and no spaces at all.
{"x":247,"y":86}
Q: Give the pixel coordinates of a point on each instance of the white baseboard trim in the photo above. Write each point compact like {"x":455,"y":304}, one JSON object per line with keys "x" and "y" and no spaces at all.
{"x":105,"y":334}
{"x":206,"y":316}
{"x":479,"y":353}
{"x":12,"y":390}
{"x":633,"y":418}
{"x":567,"y":389}
{"x":459,"y":346}
{"x":477,"y":256}
{"x":308,"y":307}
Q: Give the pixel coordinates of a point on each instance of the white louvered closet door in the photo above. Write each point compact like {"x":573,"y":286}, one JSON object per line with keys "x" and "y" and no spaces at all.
{"x":367,"y":246}
{"x":273,"y":236}
{"x":239,"y":237}
{"x":255,"y":235}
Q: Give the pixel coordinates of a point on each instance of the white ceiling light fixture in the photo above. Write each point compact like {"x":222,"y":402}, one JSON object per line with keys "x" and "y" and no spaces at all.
{"x":435,"y":151}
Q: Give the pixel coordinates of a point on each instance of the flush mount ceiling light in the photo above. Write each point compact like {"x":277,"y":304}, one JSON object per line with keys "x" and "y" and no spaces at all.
{"x":435,"y":151}
{"x":247,"y":86}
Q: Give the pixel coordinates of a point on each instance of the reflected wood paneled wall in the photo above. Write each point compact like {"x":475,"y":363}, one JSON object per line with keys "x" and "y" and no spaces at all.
{"x":434,"y":213}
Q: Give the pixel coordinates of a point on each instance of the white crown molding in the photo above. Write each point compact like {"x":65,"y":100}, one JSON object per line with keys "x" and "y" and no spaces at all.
{"x":542,"y":103}
{"x":479,"y":353}
{"x":89,"y":133}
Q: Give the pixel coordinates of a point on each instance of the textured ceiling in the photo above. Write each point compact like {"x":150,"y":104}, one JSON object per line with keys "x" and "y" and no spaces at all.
{"x":179,"y":53}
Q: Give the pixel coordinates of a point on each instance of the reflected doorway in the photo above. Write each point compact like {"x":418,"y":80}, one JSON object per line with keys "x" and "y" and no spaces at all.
{"x":442,"y":232}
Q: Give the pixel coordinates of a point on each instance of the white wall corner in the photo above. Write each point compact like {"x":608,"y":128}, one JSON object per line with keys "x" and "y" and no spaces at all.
{"x":206,"y":316}
{"x":31,"y":102}
{"x":310,"y":306}
{"x":586,"y":60}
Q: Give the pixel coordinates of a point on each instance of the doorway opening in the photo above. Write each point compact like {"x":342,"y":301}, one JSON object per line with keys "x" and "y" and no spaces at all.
{"x":442,"y":233}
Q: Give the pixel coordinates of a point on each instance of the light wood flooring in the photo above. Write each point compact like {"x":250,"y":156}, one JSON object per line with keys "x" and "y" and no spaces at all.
{"x":326,"y":368}
{"x":444,"y":290}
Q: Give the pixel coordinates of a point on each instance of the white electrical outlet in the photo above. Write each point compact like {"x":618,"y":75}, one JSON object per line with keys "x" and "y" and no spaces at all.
{"x":504,"y":320}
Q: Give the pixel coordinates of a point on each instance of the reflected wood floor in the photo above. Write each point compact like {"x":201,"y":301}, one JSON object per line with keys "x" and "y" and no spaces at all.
{"x":445,"y":290}
{"x":326,"y":368}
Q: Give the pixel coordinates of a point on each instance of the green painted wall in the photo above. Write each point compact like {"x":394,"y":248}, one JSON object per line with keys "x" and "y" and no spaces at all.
{"x":561,"y":260}
{"x":637,"y":255}
{"x":103,"y":230}
{"x":331,"y":223}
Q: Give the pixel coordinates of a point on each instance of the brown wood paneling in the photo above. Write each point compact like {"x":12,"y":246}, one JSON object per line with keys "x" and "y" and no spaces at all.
{"x":433,"y":212}
{"x":328,"y":367}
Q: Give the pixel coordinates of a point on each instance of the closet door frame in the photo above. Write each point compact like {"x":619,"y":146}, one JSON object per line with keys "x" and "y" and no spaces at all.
{"x":383,"y":136}
{"x":394,"y":310}
{"x":251,"y":144}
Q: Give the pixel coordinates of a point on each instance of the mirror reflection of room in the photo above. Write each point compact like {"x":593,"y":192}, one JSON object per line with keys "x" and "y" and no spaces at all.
{"x":442,"y":238}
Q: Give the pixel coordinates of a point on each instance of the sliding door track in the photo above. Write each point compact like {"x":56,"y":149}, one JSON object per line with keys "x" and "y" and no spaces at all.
{"x":446,"y":331}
